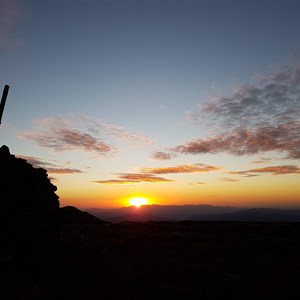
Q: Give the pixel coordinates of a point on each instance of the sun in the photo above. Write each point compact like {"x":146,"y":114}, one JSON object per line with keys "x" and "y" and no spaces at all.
{"x":138,"y":201}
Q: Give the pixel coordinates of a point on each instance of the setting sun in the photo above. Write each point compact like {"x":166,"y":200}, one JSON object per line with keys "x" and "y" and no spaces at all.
{"x":138,"y":201}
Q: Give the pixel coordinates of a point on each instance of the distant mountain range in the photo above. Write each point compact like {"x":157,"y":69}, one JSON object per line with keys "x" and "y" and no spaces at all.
{"x":195,"y":213}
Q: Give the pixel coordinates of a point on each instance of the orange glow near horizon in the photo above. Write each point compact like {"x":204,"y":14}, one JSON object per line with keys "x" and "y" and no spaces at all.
{"x":265,"y":191}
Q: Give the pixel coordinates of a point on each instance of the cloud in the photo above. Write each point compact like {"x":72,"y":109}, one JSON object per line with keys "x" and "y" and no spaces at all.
{"x":65,"y":139}
{"x":274,"y":170}
{"x":120,"y":133}
{"x":10,"y":14}
{"x":282,"y":138}
{"x":50,"y":167}
{"x":101,"y":127}
{"x":226,"y":179}
{"x":65,"y":133}
{"x":196,"y":168}
{"x":259,"y":117}
{"x":115,"y":181}
{"x":149,"y":174}
{"x":63,"y":171}
{"x":159,"y":155}
{"x":261,"y":160}
{"x":35,"y":161}
{"x":134,"y":178}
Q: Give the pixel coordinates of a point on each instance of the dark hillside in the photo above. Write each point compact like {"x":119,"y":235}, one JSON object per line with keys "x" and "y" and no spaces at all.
{"x":72,"y":215}
{"x":186,"y":260}
{"x":84,"y":258}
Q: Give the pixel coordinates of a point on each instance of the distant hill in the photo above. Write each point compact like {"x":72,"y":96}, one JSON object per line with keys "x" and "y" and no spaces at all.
{"x":196,"y":213}
{"x":158,"y":212}
{"x":253,"y":215}
{"x":72,"y":215}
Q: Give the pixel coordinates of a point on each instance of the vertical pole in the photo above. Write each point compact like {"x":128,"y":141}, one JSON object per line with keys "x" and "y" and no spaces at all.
{"x":3,"y":100}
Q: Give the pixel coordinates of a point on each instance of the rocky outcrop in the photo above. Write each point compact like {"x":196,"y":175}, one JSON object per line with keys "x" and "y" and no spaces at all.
{"x":29,"y":208}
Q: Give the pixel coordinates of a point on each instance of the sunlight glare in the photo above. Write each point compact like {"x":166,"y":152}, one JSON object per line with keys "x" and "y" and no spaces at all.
{"x":138,"y":201}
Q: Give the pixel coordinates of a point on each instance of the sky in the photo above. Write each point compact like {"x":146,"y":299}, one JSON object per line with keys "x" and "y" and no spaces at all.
{"x":181,"y":102}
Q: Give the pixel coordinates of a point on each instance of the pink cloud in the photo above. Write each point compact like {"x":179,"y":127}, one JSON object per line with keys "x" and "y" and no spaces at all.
{"x":65,"y":139}
{"x":134,"y":178}
{"x":196,"y":168}
{"x":283,"y":138}
{"x":50,"y":167}
{"x":65,"y":133}
{"x":256,"y":118}
{"x":149,"y":174}
{"x":274,"y":170}
{"x":159,"y":155}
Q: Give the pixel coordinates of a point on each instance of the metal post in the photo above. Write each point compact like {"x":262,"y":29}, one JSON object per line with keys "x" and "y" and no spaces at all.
{"x":3,"y":100}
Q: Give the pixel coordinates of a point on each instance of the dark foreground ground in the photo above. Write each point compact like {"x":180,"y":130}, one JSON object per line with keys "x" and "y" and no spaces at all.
{"x":161,"y":260}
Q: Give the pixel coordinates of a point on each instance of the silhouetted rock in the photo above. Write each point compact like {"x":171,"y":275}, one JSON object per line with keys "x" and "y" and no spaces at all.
{"x":29,"y":208}
{"x":29,"y":231}
{"x":4,"y":152}
{"x":72,"y":215}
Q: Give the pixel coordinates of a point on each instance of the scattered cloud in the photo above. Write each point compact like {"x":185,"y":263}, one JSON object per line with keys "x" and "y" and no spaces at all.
{"x":274,"y":170}
{"x":50,"y":167}
{"x":35,"y":161}
{"x":65,"y":133}
{"x":63,"y":171}
{"x":195,"y":168}
{"x":66,"y":139}
{"x":259,"y":117}
{"x":159,"y":155}
{"x":149,"y":174}
{"x":283,"y":138}
{"x":134,"y":178}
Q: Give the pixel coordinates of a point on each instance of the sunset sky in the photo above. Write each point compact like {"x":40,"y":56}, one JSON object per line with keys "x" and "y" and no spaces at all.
{"x":182,"y":102}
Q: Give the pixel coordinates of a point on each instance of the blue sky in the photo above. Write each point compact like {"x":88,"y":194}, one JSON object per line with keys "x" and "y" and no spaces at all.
{"x":128,"y":79}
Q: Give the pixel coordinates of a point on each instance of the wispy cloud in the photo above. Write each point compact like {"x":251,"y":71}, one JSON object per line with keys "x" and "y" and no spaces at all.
{"x":63,"y":171}
{"x":150,"y":174}
{"x":10,"y":14}
{"x":134,"y":178}
{"x":65,"y":133}
{"x":261,"y":160}
{"x":274,"y":170}
{"x":101,"y":127}
{"x":195,"y":168}
{"x":50,"y":167}
{"x":160,"y":155}
{"x":65,"y":139}
{"x":227,"y":179}
{"x":35,"y":161}
{"x":120,"y":133}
